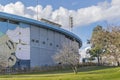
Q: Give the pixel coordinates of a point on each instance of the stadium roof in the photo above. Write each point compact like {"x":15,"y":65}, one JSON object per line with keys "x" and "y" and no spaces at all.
{"x":40,"y":24}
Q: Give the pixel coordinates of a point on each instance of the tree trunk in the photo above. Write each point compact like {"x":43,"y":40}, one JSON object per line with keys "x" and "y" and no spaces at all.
{"x":118,"y":63}
{"x":98,"y":58}
{"x":101,"y":61}
{"x":74,"y":68}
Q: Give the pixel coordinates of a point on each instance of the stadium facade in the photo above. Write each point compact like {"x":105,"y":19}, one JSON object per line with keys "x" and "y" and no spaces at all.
{"x":26,"y":42}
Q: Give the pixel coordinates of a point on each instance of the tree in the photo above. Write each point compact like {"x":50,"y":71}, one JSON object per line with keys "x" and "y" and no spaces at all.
{"x":68,"y":55}
{"x":96,"y":52}
{"x":106,"y":41}
{"x":113,"y":43}
{"x":97,"y":43}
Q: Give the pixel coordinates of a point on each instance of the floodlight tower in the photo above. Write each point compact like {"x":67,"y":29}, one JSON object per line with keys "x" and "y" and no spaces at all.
{"x":70,"y":22}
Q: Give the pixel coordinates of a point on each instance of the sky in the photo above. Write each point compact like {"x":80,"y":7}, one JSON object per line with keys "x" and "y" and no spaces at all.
{"x":86,"y":14}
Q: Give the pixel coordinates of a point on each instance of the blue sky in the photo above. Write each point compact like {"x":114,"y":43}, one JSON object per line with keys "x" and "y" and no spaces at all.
{"x":91,"y":7}
{"x":69,"y":4}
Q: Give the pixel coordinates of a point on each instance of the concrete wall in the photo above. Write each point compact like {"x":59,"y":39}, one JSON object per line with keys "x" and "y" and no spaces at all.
{"x":44,"y":44}
{"x":32,"y":43}
{"x":14,"y":42}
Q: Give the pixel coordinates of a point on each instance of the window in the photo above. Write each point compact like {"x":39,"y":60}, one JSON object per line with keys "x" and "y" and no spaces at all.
{"x":3,"y":20}
{"x":33,"y":40}
{"x":13,"y":22}
{"x":50,"y":44}
{"x":43,"y":42}
{"x":57,"y":45}
{"x":72,"y":39}
{"x":37,"y":41}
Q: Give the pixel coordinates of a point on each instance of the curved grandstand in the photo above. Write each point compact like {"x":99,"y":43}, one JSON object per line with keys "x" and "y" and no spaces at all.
{"x":26,"y":42}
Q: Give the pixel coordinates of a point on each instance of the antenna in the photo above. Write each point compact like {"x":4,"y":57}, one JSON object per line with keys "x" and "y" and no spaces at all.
{"x":37,"y":11}
{"x":71,"y":22}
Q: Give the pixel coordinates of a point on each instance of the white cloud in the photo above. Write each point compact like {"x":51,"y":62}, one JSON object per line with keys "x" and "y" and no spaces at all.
{"x":17,"y":8}
{"x":109,"y":11}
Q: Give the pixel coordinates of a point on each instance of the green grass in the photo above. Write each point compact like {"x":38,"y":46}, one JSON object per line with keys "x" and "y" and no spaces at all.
{"x":85,"y":73}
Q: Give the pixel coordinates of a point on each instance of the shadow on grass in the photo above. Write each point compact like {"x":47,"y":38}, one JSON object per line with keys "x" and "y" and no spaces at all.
{"x":80,"y":69}
{"x":93,"y":68}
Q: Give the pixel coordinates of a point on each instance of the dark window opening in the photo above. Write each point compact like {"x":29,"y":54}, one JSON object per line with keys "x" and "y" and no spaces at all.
{"x":3,"y":20}
{"x":59,"y":63}
{"x":50,"y":44}
{"x":57,"y":45}
{"x":33,"y":40}
{"x":43,"y":42}
{"x":69,"y":38}
{"x":37,"y":41}
{"x":13,"y":22}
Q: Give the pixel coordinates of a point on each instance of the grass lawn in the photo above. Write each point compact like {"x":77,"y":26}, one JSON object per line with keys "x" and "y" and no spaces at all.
{"x":85,"y":73}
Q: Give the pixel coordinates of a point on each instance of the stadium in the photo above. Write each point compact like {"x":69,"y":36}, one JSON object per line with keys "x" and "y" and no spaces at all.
{"x":29,"y":43}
